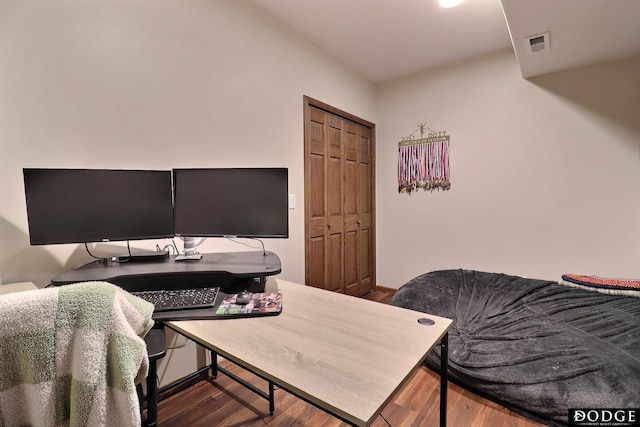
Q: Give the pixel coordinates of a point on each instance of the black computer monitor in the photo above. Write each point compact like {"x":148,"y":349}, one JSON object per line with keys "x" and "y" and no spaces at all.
{"x":231,"y":202}
{"x":97,"y":205}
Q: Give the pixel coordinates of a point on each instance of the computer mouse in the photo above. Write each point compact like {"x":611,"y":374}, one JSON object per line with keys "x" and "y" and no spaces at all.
{"x":243,"y":298}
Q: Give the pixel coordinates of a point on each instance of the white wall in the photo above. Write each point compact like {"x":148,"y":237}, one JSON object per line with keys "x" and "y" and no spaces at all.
{"x":153,"y":84}
{"x":544,"y":172}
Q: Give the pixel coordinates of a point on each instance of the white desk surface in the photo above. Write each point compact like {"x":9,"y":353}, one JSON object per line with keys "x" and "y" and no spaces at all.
{"x":347,"y":355}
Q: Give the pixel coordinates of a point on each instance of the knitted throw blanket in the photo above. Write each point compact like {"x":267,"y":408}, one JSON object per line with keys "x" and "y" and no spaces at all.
{"x":72,"y":355}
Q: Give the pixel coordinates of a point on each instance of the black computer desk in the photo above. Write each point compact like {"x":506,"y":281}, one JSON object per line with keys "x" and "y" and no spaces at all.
{"x":231,"y":271}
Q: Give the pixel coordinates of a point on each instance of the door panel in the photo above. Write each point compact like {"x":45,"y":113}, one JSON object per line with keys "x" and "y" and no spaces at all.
{"x":364,"y":193}
{"x":316,"y":262}
{"x":315,"y":200}
{"x":364,"y":263}
{"x":364,"y":146}
{"x":334,"y":186}
{"x":335,"y":265}
{"x":316,"y":133}
{"x":352,"y":285}
{"x":351,"y":141}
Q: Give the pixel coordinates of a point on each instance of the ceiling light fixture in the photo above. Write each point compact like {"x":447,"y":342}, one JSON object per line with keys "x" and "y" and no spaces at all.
{"x":449,"y":4}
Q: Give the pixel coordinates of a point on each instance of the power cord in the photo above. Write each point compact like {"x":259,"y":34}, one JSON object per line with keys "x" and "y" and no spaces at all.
{"x":98,"y":259}
{"x":171,"y":248}
{"x":252,"y":247}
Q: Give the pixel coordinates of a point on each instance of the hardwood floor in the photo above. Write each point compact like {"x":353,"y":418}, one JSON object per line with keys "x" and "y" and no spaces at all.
{"x":223,"y":402}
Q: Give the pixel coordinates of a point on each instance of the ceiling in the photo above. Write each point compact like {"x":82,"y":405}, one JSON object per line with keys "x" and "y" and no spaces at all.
{"x":386,"y":39}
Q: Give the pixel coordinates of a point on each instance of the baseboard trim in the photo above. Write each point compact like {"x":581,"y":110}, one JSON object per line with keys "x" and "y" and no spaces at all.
{"x":386,"y":289}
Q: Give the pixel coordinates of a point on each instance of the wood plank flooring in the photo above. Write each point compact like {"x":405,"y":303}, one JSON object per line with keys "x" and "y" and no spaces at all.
{"x":223,"y":402}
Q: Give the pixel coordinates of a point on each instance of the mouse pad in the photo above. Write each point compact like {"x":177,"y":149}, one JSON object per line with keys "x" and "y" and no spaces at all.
{"x":261,"y":304}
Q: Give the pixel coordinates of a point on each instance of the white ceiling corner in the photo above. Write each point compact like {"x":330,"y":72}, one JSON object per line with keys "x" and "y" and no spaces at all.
{"x":383,"y":40}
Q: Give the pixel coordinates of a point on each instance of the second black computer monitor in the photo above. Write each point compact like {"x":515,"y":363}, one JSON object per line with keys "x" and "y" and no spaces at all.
{"x":231,"y":202}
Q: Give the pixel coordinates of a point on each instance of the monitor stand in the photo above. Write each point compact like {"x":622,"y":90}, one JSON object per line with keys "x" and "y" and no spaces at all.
{"x":190,"y":251}
{"x":189,"y":257}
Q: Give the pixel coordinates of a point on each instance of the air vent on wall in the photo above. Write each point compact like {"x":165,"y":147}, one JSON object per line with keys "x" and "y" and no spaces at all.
{"x":537,"y":43}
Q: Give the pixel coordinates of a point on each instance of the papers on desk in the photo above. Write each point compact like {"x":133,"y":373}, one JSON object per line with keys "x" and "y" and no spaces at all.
{"x":261,"y":304}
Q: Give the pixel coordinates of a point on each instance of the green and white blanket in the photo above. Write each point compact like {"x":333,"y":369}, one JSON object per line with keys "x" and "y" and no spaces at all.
{"x":72,"y":356}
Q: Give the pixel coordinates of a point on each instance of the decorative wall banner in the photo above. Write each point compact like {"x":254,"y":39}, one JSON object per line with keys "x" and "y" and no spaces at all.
{"x":424,"y":162}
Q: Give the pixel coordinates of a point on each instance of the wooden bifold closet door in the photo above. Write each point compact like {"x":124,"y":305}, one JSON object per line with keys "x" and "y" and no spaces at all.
{"x":339,"y":200}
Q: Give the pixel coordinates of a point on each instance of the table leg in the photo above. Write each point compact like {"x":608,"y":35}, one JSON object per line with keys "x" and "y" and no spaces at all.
{"x":152,"y":395}
{"x":444,"y":363}
{"x":214,"y":364}
{"x":272,"y":400}
{"x":156,"y":350}
{"x":270,"y":397}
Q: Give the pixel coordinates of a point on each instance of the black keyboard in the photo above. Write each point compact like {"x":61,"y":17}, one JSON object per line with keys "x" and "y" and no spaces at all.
{"x":180,"y":299}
